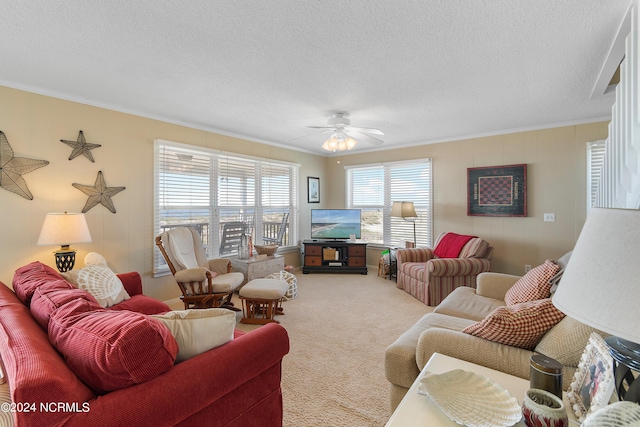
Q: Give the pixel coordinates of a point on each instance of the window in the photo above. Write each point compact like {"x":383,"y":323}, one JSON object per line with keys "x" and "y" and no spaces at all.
{"x":374,"y":188}
{"x":213,"y":191}
{"x":595,"y":162}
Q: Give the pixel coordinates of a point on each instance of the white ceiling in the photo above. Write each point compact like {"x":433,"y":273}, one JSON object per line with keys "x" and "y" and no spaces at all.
{"x":422,"y":71}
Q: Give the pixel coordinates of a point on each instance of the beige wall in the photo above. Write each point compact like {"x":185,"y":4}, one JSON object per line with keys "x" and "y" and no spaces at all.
{"x":34,"y":125}
{"x":556,"y":183}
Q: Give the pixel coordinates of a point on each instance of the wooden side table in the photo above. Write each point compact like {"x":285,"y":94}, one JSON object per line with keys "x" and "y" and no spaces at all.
{"x":417,"y":410}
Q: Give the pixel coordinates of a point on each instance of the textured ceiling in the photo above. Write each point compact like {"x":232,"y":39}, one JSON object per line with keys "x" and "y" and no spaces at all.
{"x":422,"y":71}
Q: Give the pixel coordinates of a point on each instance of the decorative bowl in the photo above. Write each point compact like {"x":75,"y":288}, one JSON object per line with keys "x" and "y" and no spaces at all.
{"x":266,"y":249}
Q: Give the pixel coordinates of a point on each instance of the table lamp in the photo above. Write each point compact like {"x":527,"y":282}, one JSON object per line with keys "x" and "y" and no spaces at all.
{"x":63,"y":229}
{"x":601,"y":288}
{"x":405,"y":210}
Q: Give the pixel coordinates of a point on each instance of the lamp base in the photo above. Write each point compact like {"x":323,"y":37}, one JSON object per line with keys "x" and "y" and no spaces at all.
{"x":65,"y":259}
{"x":626,"y":359}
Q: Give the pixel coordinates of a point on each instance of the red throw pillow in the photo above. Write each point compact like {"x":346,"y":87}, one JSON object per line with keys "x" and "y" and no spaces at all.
{"x":534,"y":285}
{"x":521,"y":325}
{"x":109,"y":350}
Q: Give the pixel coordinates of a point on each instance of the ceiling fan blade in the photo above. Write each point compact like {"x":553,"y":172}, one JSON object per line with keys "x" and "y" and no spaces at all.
{"x":311,"y":134}
{"x":367,"y":130}
{"x":322,"y":127}
{"x":367,"y":138}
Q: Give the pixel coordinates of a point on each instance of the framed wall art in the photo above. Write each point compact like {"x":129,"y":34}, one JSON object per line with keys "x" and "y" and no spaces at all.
{"x":497,"y":191}
{"x":593,"y":383}
{"x":313,"y":189}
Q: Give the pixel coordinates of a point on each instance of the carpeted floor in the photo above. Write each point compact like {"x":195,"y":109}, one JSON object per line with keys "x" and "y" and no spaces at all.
{"x":339,"y":326}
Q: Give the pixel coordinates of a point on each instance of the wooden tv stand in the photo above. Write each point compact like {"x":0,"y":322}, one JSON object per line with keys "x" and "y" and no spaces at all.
{"x":334,"y":256}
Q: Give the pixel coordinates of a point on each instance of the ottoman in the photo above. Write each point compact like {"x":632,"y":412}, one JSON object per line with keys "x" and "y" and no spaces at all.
{"x":291,"y":280}
{"x":260,"y":298}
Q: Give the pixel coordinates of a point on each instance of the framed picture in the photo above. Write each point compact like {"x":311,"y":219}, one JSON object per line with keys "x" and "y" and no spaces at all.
{"x":593,"y":382}
{"x":313,"y":189}
{"x":497,"y":191}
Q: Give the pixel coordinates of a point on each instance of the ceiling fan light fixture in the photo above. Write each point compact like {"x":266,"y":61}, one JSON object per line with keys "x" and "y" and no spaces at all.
{"x":339,"y":141}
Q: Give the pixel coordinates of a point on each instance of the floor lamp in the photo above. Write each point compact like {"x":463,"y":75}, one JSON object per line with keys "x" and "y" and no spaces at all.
{"x":601,"y":288}
{"x":405,"y":210}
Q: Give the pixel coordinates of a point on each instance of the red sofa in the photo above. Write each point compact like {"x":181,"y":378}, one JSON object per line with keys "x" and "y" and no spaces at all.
{"x":236,"y":384}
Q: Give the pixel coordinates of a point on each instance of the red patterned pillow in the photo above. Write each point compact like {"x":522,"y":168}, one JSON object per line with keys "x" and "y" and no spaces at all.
{"x":534,"y":285}
{"x":109,"y":350}
{"x":521,"y":325}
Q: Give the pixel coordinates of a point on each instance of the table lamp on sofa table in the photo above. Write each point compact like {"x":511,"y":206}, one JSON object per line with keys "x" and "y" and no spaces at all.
{"x":405,"y":210}
{"x":601,"y":288}
{"x":64,"y":229}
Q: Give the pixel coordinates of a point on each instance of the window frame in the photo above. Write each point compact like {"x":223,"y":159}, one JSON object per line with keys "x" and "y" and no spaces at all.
{"x":396,"y":230}
{"x":207,"y":197}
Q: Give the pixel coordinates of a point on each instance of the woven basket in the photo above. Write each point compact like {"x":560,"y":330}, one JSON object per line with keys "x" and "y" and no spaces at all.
{"x":266,"y":249}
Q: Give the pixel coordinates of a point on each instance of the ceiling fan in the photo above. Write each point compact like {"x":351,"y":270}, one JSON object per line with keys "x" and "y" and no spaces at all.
{"x":343,"y":134}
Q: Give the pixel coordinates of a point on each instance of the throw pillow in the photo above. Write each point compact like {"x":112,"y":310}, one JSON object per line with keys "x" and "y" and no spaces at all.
{"x":197,"y":331}
{"x":98,"y":279}
{"x":109,"y":350}
{"x":521,"y":325}
{"x":534,"y":285}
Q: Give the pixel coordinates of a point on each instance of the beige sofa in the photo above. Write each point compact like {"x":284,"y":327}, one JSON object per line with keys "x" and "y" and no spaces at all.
{"x":440,"y":332}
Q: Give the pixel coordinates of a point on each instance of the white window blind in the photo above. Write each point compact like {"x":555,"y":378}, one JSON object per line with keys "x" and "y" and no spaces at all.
{"x":204,"y":189}
{"x":374,"y":188}
{"x":595,"y":163}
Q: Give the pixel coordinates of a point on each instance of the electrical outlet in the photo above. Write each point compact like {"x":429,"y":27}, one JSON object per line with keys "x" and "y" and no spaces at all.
{"x":527,"y":268}
{"x":549,"y":217}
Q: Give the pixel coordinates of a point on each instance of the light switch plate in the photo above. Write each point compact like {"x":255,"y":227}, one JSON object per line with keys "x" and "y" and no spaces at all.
{"x":549,"y":217}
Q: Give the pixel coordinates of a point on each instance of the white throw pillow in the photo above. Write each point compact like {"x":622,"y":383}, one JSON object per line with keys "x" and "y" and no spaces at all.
{"x":98,"y":279}
{"x":199,"y":330}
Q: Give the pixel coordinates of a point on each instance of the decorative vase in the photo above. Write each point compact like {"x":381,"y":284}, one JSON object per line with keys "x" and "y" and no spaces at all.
{"x":543,"y":409}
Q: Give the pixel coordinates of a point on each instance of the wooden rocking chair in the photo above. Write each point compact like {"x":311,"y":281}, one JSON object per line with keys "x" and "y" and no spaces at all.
{"x":205,"y":283}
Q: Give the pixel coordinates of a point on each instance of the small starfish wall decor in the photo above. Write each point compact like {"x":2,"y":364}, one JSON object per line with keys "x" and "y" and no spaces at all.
{"x":99,"y":193}
{"x":12,"y":168}
{"x":81,"y":146}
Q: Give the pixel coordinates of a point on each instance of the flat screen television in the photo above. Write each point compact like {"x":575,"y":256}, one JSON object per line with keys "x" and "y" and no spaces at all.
{"x":335,"y":223}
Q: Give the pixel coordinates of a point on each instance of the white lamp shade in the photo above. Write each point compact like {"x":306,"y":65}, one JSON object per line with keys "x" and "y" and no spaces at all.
{"x":601,"y":284}
{"x":403,"y":210}
{"x":64,"y":229}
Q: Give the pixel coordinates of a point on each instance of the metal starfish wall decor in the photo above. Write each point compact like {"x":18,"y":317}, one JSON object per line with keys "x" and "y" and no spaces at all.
{"x":81,"y":146}
{"x":12,"y":168}
{"x":99,"y":193}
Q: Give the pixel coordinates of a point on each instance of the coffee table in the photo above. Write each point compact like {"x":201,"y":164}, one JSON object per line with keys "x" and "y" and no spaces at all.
{"x":419,"y":410}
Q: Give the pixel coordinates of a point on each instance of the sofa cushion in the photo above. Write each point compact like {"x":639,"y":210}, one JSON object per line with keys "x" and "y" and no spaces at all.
{"x":110,"y":350}
{"x":400,"y":363}
{"x":464,"y":303}
{"x":475,"y":248}
{"x":49,"y":296}
{"x":520,"y":325}
{"x":566,"y":341}
{"x":197,"y":331}
{"x":142,"y":304}
{"x":27,"y":279}
{"x":534,"y":285}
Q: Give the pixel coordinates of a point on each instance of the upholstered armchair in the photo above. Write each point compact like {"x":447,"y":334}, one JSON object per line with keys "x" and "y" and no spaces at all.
{"x":430,"y":278}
